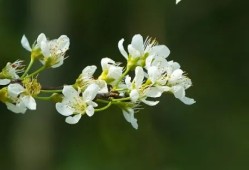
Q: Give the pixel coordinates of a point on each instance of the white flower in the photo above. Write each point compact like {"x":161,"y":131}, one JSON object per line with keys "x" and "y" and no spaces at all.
{"x":76,"y":104}
{"x":178,"y":82}
{"x":139,"y":50}
{"x":177,"y":1}
{"x":139,"y":92}
{"x":52,"y":50}
{"x":86,"y":78}
{"x":20,"y":100}
{"x":10,"y":72}
{"x":129,"y":116}
{"x":111,"y":71}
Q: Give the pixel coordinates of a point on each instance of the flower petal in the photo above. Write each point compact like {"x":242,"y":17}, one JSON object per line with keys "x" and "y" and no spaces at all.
{"x":177,"y":1}
{"x":138,"y":43}
{"x":187,"y":100}
{"x":40,"y":38}
{"x":106,"y":63}
{"x":73,"y":119}
{"x":134,"y":95}
{"x":64,"y":109}
{"x":129,"y":116}
{"x":29,"y":102}
{"x":18,"y":108}
{"x":45,"y":49}
{"x":90,"y":93}
{"x":69,"y":92}
{"x":63,"y":43}
{"x":15,"y":89}
{"x":4,"y":81}
{"x":139,"y":76}
{"x":25,"y":43}
{"x":160,"y":51}
{"x":121,"y":48}
{"x":90,"y":110}
{"x":150,"y":103}
{"x":153,"y":92}
{"x":88,"y":71}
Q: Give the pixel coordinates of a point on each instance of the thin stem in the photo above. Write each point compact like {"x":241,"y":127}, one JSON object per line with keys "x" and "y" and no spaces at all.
{"x":43,"y":98}
{"x":102,"y":101}
{"x":28,"y":68}
{"x":37,"y":71}
{"x":51,"y":91}
{"x":103,"y":108}
{"x":122,"y":99}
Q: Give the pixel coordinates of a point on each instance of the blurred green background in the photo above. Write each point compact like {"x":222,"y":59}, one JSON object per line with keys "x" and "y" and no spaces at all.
{"x":208,"y":38}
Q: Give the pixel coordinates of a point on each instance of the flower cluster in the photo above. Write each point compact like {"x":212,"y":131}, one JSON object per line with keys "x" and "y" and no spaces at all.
{"x":146,"y":75}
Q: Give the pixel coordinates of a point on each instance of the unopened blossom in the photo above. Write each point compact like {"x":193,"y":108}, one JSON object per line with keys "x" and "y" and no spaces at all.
{"x":19,"y":99}
{"x":139,"y":50}
{"x":10,"y":72}
{"x":53,"y":51}
{"x":75,"y":103}
{"x":111,"y":71}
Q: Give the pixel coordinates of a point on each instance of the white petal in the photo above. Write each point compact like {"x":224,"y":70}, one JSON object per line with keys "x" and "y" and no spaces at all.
{"x":105,"y":63}
{"x":29,"y":102}
{"x":138,"y":43}
{"x":133,"y":51}
{"x":15,"y":89}
{"x":18,"y":108}
{"x":179,"y":91}
{"x":102,"y":85}
{"x":63,"y":109}
{"x":154,"y":92}
{"x":154,"y":74}
{"x":4,"y":81}
{"x":73,"y":119}
{"x":90,"y":110}
{"x":45,"y":49}
{"x":89,"y":71}
{"x":160,"y":51}
{"x":129,"y":116}
{"x":121,"y":48}
{"x":63,"y":43}
{"x":176,"y":75}
{"x":25,"y":43}
{"x":69,"y":92}
{"x":90,"y":93}
{"x":148,"y":61}
{"x":40,"y":38}
{"x":134,"y":95}
{"x":128,"y":81}
{"x":60,"y":60}
{"x":177,"y":1}
{"x":115,"y":72}
{"x":150,"y":103}
{"x":139,"y":76}
{"x":187,"y":100}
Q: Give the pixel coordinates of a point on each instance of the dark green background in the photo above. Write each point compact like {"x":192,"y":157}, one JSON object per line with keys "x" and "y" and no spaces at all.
{"x":209,"y":39}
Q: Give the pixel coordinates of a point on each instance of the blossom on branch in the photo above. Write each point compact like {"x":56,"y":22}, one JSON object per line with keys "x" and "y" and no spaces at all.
{"x":75,"y":103}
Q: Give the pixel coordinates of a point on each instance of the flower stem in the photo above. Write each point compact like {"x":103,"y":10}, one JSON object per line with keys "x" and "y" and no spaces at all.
{"x":51,"y":91}
{"x":103,"y":108}
{"x":43,"y":98}
{"x":37,"y":71}
{"x":28,"y":68}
